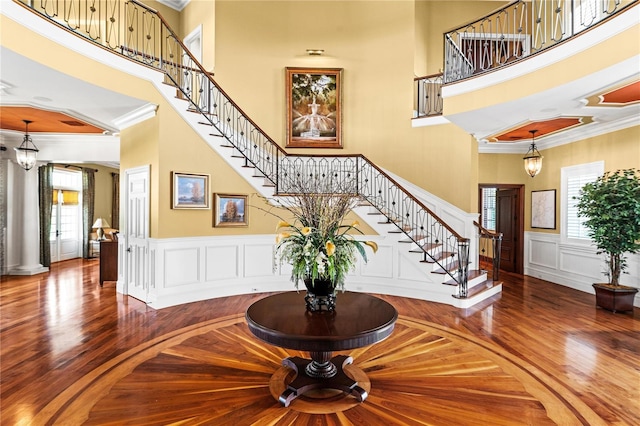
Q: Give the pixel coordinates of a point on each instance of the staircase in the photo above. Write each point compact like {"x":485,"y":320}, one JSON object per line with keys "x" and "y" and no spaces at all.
{"x":443,"y":254}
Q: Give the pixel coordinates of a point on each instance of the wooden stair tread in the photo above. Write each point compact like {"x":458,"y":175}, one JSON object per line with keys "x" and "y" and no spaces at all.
{"x":479,"y":289}
{"x":471,"y":274}
{"x":450,"y":268}
{"x":414,"y":238}
{"x":442,"y":255}
{"x":426,"y":247}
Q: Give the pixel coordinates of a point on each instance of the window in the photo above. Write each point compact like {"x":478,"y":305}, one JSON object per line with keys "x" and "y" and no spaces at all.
{"x":488,"y":213}
{"x":573,"y":179}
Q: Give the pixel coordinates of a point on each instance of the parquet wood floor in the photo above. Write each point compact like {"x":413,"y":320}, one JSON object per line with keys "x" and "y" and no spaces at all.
{"x":75,"y":353}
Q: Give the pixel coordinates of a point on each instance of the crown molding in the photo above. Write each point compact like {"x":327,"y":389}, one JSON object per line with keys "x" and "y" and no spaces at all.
{"x":563,"y":138}
{"x":134,"y":117}
{"x":175,"y":4}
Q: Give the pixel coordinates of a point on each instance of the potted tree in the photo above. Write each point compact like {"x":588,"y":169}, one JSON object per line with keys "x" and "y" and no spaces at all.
{"x":611,"y":205}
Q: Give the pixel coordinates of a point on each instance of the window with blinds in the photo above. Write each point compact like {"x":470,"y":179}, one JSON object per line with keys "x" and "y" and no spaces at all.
{"x":574,"y":178}
{"x":489,"y":208}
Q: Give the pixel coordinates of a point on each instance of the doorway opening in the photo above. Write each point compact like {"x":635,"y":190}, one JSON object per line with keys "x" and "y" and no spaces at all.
{"x":501,"y":208}
{"x":65,"y":238}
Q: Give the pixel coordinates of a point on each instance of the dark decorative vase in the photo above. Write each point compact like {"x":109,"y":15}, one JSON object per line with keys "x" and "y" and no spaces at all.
{"x":320,"y":293}
{"x":615,"y":299}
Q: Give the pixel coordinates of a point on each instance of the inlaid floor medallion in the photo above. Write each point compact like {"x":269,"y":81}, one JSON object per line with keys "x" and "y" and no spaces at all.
{"x":218,"y":373}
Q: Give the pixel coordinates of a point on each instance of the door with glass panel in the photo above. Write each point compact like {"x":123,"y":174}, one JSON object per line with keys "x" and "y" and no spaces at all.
{"x":66,"y":219}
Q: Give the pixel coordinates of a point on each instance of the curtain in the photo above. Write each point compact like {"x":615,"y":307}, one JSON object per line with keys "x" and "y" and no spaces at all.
{"x":45,"y":198}
{"x":115,"y":200}
{"x":88,"y":202}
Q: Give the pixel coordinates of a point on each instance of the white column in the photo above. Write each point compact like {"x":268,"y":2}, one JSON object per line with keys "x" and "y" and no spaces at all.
{"x":30,"y":224}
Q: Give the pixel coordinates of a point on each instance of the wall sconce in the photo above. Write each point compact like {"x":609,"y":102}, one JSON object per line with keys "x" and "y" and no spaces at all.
{"x":315,"y":52}
{"x":100,"y":223}
{"x":27,"y":153}
{"x":533,"y":159}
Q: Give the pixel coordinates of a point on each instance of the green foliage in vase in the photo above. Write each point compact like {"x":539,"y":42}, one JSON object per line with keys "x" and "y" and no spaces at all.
{"x":316,"y":241}
{"x":611,"y":205}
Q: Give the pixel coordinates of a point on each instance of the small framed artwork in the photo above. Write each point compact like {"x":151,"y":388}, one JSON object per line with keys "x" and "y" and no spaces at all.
{"x":190,"y":191}
{"x":314,"y":107}
{"x":230,"y":210}
{"x":543,"y":209}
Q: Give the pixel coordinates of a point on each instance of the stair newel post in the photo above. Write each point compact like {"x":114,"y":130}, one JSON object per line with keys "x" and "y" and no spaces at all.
{"x":463,"y":266}
{"x":497,"y":248}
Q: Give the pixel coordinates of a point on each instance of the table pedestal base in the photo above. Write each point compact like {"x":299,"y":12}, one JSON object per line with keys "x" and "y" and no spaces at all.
{"x":303,"y":382}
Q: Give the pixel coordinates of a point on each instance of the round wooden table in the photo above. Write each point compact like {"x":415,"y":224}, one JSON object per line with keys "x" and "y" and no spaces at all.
{"x":358,"y":320}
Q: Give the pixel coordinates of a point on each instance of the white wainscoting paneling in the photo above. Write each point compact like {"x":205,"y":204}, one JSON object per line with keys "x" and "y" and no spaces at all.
{"x":573,"y":265}
{"x":543,"y":253}
{"x":186,"y":270}
{"x":258,"y":260}
{"x":182,"y":266}
{"x":221,"y":262}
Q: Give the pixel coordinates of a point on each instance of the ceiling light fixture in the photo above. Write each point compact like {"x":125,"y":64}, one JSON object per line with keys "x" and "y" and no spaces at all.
{"x":315,"y":52}
{"x":27,"y":153}
{"x":533,"y":159}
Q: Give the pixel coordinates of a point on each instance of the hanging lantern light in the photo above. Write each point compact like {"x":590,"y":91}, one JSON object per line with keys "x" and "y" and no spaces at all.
{"x":533,"y":158}
{"x":27,"y":153}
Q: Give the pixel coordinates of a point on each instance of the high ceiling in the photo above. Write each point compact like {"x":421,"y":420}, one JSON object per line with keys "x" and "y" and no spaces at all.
{"x":59,"y":104}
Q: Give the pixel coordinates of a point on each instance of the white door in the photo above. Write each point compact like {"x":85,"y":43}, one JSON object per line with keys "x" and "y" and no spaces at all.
{"x":136,"y":233}
{"x":65,"y":229}
{"x":65,"y":238}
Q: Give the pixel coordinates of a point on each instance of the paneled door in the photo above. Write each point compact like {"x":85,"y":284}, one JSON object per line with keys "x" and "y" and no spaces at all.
{"x":65,"y":238}
{"x":507,"y":222}
{"x":135,"y":253}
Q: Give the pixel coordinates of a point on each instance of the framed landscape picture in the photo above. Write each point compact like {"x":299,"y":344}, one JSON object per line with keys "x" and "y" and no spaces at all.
{"x":314,"y":107}
{"x":543,"y":209}
{"x":190,"y":191}
{"x":230,"y":210}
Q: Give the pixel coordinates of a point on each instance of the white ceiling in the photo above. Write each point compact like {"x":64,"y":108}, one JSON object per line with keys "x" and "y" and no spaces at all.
{"x":28,"y":83}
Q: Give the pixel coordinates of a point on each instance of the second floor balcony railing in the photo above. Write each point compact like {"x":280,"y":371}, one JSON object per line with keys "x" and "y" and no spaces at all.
{"x":428,"y":92}
{"x":521,"y":29}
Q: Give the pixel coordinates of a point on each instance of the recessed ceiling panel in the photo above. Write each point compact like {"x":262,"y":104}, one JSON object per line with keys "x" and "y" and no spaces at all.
{"x":543,"y":128}
{"x":43,"y":121}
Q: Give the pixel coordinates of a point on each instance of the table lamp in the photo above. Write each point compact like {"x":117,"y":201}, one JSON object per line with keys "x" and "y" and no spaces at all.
{"x":99,"y":224}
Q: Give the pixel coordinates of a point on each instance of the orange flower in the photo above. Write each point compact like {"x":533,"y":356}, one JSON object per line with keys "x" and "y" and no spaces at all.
{"x":330,"y":247}
{"x":373,"y":245}
{"x":282,"y":224}
{"x":305,"y":231}
{"x":282,"y":236}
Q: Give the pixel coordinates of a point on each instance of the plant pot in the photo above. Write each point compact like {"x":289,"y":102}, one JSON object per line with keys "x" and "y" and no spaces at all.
{"x":615,"y":298}
{"x":320,"y":293}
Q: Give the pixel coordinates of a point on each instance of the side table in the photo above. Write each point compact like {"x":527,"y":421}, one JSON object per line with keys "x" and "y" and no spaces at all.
{"x":358,"y":320}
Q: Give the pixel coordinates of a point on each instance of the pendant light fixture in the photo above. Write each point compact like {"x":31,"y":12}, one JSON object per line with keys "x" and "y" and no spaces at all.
{"x":27,"y":153}
{"x":533,"y":159}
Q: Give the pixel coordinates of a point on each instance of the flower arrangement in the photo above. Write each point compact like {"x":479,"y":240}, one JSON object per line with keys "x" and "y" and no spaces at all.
{"x":317,"y":243}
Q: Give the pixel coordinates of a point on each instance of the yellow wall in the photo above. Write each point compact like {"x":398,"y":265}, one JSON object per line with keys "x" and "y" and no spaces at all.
{"x":619,"y":150}
{"x":103,"y":191}
{"x":202,"y":13}
{"x":171,"y":16}
{"x":373,"y":42}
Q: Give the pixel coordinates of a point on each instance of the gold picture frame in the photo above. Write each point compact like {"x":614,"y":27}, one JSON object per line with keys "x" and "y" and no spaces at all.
{"x":230,"y":210}
{"x":190,"y":191}
{"x":314,"y":107}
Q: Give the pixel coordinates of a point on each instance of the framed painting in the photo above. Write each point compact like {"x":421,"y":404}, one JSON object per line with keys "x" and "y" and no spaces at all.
{"x":190,"y":191}
{"x":314,"y":107}
{"x":230,"y":210}
{"x":543,"y":209}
